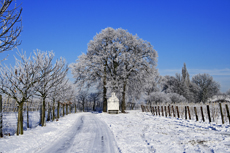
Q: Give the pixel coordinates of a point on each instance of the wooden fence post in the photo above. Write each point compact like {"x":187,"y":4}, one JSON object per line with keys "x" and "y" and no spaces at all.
{"x":159,"y":110}
{"x":227,"y":110}
{"x":196,"y":113}
{"x":156,"y":110}
{"x":221,"y":113}
{"x":162,"y":111}
{"x":202,"y":114}
{"x":185,"y":112}
{"x":189,"y":115}
{"x":173,"y":112}
{"x":178,"y":114}
{"x":1,"y":117}
{"x":152,"y":108}
{"x":165,"y":112}
{"x":209,"y":116}
{"x":169,"y":110}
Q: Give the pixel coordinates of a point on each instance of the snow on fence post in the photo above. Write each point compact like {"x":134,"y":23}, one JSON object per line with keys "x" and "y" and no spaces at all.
{"x":202,"y":114}
{"x":209,"y":116}
{"x":1,"y":114}
{"x":196,"y":113}
{"x":189,"y":115}
{"x":227,"y":110}
{"x":221,"y":113}
{"x":178,"y":114}
{"x":185,"y":114}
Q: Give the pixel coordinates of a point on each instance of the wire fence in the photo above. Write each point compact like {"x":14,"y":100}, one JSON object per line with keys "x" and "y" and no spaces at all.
{"x":31,"y":114}
{"x":213,"y":112}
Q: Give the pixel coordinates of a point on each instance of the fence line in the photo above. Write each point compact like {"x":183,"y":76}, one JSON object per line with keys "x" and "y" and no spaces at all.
{"x":210,"y":112}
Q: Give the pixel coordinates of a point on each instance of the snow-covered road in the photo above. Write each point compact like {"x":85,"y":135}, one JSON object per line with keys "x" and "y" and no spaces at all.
{"x":81,"y":132}
{"x":88,"y":134}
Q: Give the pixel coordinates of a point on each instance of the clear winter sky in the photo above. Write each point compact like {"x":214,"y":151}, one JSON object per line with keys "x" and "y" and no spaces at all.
{"x":196,"y":32}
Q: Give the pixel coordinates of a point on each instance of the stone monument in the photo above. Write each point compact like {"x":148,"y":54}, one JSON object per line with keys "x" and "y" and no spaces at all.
{"x":113,"y":104}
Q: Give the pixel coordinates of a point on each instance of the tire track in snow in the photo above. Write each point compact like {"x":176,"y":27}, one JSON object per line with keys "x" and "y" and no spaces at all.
{"x":88,"y":134}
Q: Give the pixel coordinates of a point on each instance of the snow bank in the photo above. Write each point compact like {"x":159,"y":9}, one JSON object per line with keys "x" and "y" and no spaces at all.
{"x":39,"y":136}
{"x":143,"y":132}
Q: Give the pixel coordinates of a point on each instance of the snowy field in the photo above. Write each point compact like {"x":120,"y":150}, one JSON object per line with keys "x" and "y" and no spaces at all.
{"x":132,"y":132}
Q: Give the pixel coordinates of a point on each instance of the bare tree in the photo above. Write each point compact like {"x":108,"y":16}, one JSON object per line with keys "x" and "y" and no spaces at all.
{"x":94,"y":97}
{"x":10,"y":31}
{"x":19,"y":83}
{"x":52,"y":76}
{"x":82,"y":99}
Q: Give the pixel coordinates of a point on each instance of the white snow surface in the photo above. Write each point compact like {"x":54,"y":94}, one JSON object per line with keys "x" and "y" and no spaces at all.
{"x":132,"y":132}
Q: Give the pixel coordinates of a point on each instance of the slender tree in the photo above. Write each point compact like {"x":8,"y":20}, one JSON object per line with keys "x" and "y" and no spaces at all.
{"x":52,"y":75}
{"x":9,"y":27}
{"x":20,"y":82}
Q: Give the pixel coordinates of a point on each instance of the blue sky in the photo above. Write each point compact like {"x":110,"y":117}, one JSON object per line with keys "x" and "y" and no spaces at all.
{"x":195,"y":32}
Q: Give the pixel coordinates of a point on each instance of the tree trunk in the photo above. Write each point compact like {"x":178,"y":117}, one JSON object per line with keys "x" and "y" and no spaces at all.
{"x":75,"y":108}
{"x":1,"y":114}
{"x":43,"y":111}
{"x":94,"y":105}
{"x":20,"y":119}
{"x":48,"y":114}
{"x":58,"y":110}
{"x":83,"y":106}
{"x":66,"y":106}
{"x":28,"y":124}
{"x":69,"y":109}
{"x":53,"y":112}
{"x":104,"y":92}
{"x":63,"y":109}
{"x":123,"y":98}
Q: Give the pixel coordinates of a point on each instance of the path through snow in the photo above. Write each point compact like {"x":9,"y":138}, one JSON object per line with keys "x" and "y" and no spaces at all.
{"x":84,"y":133}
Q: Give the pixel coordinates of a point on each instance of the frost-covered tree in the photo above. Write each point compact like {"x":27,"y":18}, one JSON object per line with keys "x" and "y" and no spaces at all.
{"x":208,"y":87}
{"x":181,"y":85}
{"x":9,"y":27}
{"x":20,"y":82}
{"x":152,"y":84}
{"x":52,"y":76}
{"x":118,"y":59}
{"x":158,"y":98}
{"x":94,"y":97}
{"x":82,"y":99}
{"x":176,"y":98}
{"x":228,"y":92}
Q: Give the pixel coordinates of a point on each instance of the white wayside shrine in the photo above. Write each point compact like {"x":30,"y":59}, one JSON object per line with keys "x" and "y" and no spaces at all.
{"x":113,"y":104}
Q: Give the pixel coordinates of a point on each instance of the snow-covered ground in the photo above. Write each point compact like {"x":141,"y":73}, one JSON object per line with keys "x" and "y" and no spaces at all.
{"x":124,"y":133}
